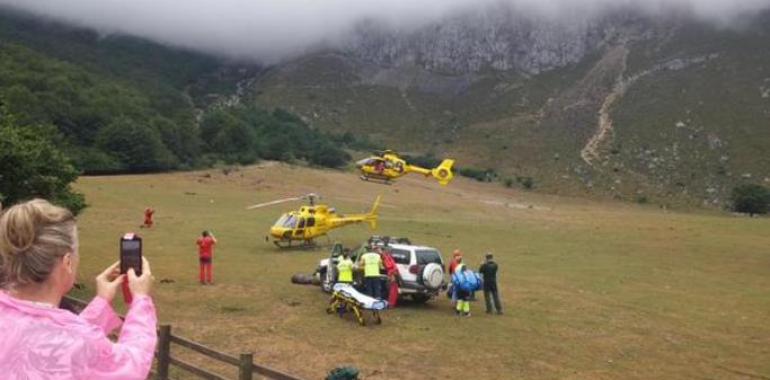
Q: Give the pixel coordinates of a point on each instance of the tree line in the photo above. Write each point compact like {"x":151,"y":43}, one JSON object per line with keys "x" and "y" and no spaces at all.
{"x":106,"y":125}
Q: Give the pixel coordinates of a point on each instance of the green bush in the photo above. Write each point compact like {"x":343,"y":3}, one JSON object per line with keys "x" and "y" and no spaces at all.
{"x":426,"y":161}
{"x":135,"y":145}
{"x":247,"y":133}
{"x":95,"y":161}
{"x":32,"y":166}
{"x":481,"y":175}
{"x":528,"y":183}
{"x":751,"y":199}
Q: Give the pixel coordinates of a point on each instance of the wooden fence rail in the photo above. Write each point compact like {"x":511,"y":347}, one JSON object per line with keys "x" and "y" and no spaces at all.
{"x":164,"y":359}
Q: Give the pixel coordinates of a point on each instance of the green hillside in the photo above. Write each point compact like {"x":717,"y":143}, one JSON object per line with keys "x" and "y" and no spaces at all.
{"x":701,"y":129}
{"x":122,"y":104}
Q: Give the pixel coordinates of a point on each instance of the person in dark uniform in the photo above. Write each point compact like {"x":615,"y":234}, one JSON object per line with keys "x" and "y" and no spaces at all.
{"x":489,"y":271}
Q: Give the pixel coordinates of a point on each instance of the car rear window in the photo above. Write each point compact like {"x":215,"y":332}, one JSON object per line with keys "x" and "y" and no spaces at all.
{"x":400,"y":256}
{"x":358,"y":251}
{"x":427,"y":256}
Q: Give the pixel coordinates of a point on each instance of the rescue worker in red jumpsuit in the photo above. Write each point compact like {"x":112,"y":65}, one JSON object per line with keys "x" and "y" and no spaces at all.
{"x":205,"y":253}
{"x":392,"y":271}
{"x":148,"y":212}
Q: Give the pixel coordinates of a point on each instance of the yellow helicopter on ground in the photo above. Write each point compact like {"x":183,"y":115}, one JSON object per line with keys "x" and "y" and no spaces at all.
{"x":311,"y":221}
{"x":387,"y":166}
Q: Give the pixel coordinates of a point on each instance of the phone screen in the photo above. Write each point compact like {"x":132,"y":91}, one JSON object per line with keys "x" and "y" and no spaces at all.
{"x":131,"y":256}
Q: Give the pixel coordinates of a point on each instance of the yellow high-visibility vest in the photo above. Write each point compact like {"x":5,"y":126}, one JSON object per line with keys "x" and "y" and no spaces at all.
{"x":372,"y":262}
{"x":345,"y":267}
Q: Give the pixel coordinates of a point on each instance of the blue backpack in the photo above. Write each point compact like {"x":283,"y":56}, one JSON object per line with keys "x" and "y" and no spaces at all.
{"x":466,"y":281}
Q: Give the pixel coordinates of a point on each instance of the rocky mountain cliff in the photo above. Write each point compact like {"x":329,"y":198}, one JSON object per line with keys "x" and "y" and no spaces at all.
{"x":494,"y":38}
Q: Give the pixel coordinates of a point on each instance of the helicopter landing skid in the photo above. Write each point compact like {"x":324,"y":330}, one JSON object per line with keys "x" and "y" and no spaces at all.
{"x":382,"y":180}
{"x":287,"y":244}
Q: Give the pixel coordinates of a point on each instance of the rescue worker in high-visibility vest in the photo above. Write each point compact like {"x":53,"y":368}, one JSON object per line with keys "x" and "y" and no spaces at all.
{"x":345,"y":269}
{"x":463,"y":306}
{"x":372,"y":263}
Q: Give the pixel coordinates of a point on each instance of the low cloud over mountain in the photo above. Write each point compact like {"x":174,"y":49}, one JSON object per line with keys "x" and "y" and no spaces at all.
{"x":270,"y":31}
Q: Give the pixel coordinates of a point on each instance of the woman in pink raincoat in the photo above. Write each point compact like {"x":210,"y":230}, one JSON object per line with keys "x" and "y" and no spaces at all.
{"x":38,"y":264}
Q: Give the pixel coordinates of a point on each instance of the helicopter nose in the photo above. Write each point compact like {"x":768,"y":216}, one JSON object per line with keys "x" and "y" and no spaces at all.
{"x":276,"y":232}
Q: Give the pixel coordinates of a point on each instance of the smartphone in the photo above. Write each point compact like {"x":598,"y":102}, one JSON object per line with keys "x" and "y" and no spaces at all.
{"x":131,"y":253}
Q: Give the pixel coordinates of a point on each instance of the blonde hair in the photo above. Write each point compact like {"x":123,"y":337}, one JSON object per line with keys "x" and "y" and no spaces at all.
{"x":33,"y":236}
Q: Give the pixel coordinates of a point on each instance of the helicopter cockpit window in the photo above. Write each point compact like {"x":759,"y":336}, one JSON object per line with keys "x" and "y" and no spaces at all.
{"x":366,"y":162}
{"x":286,"y":221}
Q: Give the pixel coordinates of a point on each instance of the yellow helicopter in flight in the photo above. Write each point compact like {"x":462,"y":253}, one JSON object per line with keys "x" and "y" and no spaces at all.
{"x":312,"y":221}
{"x":387,"y":166}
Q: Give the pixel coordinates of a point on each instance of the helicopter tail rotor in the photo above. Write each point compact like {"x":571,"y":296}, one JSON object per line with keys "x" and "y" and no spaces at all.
{"x":443,"y":172}
{"x":371,"y":217}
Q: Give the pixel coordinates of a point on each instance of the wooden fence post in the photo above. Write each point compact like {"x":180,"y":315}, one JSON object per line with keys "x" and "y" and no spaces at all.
{"x":164,"y":351}
{"x":246,"y":368}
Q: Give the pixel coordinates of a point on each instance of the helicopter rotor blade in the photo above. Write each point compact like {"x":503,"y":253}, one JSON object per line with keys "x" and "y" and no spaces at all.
{"x":275,"y":202}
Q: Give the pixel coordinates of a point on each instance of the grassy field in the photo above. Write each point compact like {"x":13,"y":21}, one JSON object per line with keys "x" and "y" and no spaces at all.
{"x":591,"y":290}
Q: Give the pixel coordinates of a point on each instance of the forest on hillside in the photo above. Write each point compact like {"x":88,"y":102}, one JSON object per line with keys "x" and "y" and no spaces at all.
{"x":118,"y":104}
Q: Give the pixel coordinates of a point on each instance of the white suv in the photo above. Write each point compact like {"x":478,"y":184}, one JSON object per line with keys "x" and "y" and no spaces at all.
{"x":420,"y":268}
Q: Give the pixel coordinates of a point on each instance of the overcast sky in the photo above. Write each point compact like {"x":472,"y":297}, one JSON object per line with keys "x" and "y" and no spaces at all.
{"x":270,"y":30}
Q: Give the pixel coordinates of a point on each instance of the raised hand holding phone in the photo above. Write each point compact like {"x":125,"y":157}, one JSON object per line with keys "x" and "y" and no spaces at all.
{"x":141,"y":285}
{"x":108,"y":282}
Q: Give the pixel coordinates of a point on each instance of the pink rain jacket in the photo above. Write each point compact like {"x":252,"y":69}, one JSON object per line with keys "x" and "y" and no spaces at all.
{"x":37,"y":342}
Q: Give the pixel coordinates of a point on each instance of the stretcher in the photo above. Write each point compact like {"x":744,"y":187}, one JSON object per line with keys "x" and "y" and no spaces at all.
{"x":345,"y":298}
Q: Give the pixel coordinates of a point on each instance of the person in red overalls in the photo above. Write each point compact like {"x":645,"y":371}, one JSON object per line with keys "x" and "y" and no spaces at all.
{"x":392,"y":271}
{"x":205,"y":252}
{"x":148,"y":212}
